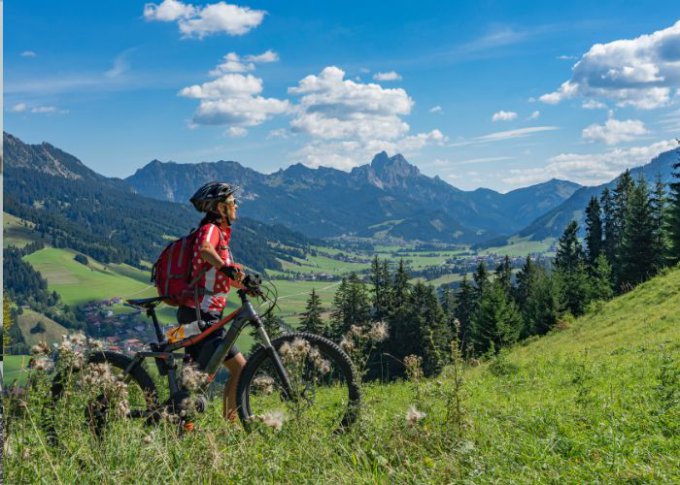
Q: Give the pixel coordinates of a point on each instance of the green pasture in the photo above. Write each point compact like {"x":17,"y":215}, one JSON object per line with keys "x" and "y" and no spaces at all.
{"x":29,"y":319}
{"x":14,"y":369}
{"x":78,"y":284}
{"x":520,"y":247}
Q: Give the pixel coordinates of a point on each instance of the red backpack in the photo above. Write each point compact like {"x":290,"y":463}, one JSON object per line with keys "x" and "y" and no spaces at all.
{"x":172,"y":271}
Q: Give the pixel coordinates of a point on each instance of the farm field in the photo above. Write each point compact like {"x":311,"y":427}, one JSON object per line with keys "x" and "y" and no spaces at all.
{"x":520,"y":247}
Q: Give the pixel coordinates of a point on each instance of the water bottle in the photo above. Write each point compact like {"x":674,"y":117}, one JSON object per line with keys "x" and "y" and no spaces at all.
{"x":180,"y":332}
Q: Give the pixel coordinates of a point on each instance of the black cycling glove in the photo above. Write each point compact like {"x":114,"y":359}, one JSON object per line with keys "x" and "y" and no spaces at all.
{"x":230,"y":271}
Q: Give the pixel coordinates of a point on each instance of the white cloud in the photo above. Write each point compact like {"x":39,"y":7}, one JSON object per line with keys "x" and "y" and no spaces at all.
{"x":44,"y":109}
{"x":535,"y":115}
{"x":387,"y":76}
{"x":504,"y":116}
{"x":475,"y":161}
{"x":638,"y":72}
{"x":332,"y":107}
{"x":236,"y":131}
{"x":168,"y":11}
{"x":593,"y":104}
{"x":436,"y":109}
{"x":349,"y":122}
{"x":233,"y":99}
{"x":267,"y":56}
{"x":519,"y":133}
{"x":200,"y":22}
{"x":28,"y":54}
{"x":567,"y":58}
{"x":18,"y":108}
{"x":282,"y":133}
{"x":234,"y":63}
{"x":120,"y":66}
{"x":589,"y":168}
{"x":614,"y":131}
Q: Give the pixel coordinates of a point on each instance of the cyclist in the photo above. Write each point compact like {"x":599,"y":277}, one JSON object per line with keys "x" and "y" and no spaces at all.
{"x":211,"y":255}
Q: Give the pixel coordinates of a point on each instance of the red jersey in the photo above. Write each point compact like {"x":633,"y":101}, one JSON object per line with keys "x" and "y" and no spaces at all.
{"x":216,"y":283}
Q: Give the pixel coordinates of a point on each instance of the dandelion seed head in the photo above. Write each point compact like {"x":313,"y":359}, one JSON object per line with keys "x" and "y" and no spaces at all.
{"x":273,"y":419}
{"x":378,"y":332}
{"x":192,"y":378}
{"x":413,"y":416}
{"x":347,"y":344}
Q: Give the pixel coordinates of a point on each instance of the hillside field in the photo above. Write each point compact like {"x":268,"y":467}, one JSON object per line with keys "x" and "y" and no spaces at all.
{"x":594,"y":401}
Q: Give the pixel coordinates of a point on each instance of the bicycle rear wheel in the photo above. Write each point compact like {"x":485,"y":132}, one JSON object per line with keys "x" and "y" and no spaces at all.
{"x":107,"y":385}
{"x":325,"y":388}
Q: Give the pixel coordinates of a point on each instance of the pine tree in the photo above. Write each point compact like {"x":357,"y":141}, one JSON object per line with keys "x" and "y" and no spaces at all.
{"x":481,"y":279}
{"x":593,"y":231}
{"x":429,"y":335}
{"x":601,"y":279}
{"x":637,"y":255}
{"x":658,"y":207}
{"x":380,"y":288}
{"x":504,"y":274}
{"x":570,"y":271}
{"x":400,"y":287}
{"x":569,"y":249}
{"x":620,"y":198}
{"x":608,"y":226}
{"x":674,"y":214}
{"x":496,"y":322}
{"x":350,"y":306}
{"x":543,"y":304}
{"x":465,"y":307}
{"x":311,"y":318}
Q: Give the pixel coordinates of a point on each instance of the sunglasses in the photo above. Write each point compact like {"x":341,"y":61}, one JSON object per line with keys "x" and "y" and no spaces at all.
{"x":231,"y":201}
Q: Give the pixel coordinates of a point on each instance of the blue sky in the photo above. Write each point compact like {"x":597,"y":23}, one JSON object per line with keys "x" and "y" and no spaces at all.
{"x":484,"y":93}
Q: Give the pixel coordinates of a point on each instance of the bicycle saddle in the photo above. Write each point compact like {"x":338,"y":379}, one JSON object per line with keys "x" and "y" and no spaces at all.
{"x":146,"y":302}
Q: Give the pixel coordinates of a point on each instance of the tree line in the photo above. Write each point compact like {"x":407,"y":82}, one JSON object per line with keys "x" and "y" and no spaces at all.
{"x":632,"y":232}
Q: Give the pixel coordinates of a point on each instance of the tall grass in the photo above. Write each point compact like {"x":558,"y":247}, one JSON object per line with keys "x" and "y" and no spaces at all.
{"x":595,"y":402}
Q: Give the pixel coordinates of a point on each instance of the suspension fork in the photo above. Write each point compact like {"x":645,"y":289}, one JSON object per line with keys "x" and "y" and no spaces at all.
{"x":274,"y":356}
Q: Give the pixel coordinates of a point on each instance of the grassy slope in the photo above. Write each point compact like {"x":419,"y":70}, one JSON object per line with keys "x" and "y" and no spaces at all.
{"x":591,"y":403}
{"x":16,"y":232}
{"x":53,"y":331}
{"x":78,"y":284}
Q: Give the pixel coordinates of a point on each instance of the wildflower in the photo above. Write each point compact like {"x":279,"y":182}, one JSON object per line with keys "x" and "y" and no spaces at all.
{"x":264,"y":384}
{"x":123,"y":408}
{"x":96,"y":345}
{"x":378,"y":332}
{"x":321,"y":364}
{"x":78,"y":339}
{"x":192,"y":378}
{"x":347,"y":344}
{"x":413,"y":416}
{"x":98,"y":375}
{"x":414,"y":369}
{"x":41,"y":364}
{"x":65,"y":347}
{"x":356,"y":331}
{"x":273,"y":419}
{"x":40,"y":349}
{"x":26,"y":454}
{"x":147,"y":439}
{"x":295,"y":351}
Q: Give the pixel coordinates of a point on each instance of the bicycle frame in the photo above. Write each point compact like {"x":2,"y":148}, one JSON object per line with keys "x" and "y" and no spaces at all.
{"x":246,"y":314}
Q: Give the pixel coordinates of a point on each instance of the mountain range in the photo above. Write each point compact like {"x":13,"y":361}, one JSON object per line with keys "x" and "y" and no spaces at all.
{"x":72,"y":206}
{"x":388,"y":197}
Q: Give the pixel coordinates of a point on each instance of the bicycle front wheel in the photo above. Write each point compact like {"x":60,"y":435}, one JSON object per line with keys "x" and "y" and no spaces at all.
{"x":324,"y":387}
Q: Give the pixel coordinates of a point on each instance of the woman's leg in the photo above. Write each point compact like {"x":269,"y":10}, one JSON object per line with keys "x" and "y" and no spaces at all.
{"x":235,"y":366}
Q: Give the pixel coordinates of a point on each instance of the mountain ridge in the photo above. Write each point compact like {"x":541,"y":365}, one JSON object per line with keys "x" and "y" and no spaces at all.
{"x":326,"y":202}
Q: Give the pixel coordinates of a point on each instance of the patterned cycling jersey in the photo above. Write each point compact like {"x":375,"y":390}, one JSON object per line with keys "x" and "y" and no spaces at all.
{"x":215,"y":283}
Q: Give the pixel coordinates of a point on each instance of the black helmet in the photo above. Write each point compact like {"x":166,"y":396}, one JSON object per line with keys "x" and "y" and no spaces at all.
{"x":206,"y":198}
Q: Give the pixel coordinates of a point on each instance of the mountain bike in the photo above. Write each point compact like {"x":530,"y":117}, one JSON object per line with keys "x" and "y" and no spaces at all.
{"x":296,"y":376}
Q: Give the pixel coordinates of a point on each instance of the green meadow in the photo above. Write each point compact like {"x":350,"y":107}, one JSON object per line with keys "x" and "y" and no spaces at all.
{"x":17,"y":232}
{"x":594,"y":401}
{"x":78,"y":284}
